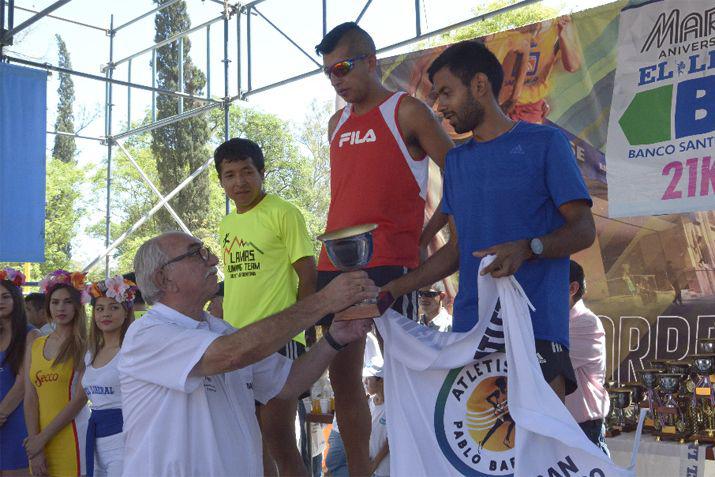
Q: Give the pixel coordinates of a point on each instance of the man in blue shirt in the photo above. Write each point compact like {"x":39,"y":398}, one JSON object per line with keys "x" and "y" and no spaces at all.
{"x":514,"y":191}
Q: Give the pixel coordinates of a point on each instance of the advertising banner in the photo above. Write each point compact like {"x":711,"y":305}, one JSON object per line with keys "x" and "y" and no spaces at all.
{"x":651,"y":278}
{"x":660,"y":133}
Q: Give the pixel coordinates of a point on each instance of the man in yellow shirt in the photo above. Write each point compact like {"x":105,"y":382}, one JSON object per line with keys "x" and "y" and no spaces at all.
{"x":268,"y":265}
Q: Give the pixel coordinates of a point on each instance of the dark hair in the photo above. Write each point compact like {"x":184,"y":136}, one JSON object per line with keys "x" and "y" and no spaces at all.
{"x":467,"y":58}
{"x":15,"y":352}
{"x":220,"y":289}
{"x":37,"y":300}
{"x":360,"y":41}
{"x":239,"y":149}
{"x":96,"y":337}
{"x":72,"y":348}
{"x":138,"y":298}
{"x":576,"y":275}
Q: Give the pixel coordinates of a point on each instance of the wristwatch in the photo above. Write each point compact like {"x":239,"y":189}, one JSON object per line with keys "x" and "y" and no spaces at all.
{"x":537,"y":247}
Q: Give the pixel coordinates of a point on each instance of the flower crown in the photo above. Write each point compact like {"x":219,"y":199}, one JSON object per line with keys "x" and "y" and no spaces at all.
{"x":15,"y":276}
{"x":75,"y":280}
{"x":117,"y":287}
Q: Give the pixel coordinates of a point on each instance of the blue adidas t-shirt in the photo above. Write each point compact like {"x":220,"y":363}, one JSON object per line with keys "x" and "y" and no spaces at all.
{"x":509,"y":189}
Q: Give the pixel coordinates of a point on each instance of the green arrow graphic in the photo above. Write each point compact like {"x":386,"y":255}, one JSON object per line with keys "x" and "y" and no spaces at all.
{"x":647,"y":119}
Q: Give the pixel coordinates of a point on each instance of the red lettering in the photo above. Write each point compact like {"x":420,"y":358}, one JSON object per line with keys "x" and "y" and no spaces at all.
{"x":708,"y":176}
{"x":670,"y":192}
{"x":692,"y":175}
{"x":45,"y":378}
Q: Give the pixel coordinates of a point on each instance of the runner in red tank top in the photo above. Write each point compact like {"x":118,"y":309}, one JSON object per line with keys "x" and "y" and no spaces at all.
{"x":379,"y":145}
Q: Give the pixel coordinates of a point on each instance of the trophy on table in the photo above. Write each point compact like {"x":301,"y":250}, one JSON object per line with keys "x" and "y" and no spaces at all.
{"x":620,"y":400}
{"x":674,"y":424}
{"x":649,"y":378}
{"x":661,"y":364}
{"x":703,"y":398}
{"x":350,"y":249}
{"x":706,"y":345}
{"x":638,"y":393}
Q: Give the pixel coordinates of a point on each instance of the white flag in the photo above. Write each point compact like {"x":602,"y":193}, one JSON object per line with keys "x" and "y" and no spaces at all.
{"x":446,"y":398}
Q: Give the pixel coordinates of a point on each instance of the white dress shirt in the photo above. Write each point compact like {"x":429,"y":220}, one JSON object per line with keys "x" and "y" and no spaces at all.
{"x":178,"y":424}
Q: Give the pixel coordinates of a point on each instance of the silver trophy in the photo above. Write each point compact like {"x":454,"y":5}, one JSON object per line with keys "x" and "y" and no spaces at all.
{"x":707,"y":345}
{"x":350,"y":249}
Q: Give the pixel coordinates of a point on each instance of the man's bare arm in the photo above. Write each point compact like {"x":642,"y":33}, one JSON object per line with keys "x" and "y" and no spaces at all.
{"x":421,"y":128}
{"x":258,"y":340}
{"x":576,"y":234}
{"x":310,"y":366}
{"x":438,"y":220}
{"x":307,"y":276}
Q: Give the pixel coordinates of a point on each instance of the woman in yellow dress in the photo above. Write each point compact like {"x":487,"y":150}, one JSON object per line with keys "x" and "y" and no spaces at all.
{"x":55,"y":403}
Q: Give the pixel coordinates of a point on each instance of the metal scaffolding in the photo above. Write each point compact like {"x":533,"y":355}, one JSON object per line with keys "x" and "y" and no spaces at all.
{"x":244,"y":13}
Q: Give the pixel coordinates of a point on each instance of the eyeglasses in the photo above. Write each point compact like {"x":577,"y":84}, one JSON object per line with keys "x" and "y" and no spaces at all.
{"x":428,"y":294}
{"x":342,"y":68}
{"x":202,"y":251}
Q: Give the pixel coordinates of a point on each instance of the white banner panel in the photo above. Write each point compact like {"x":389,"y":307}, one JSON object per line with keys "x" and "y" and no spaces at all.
{"x":660,"y":136}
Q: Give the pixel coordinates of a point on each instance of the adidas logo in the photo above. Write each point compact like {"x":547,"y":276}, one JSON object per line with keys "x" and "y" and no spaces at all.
{"x":540,"y":358}
{"x":517,"y":150}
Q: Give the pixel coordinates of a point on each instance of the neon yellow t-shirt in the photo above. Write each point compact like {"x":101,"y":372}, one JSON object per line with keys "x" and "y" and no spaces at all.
{"x":258,"y":249}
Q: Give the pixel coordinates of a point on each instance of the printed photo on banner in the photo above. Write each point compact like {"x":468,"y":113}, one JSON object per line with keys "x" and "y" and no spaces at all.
{"x":652,"y":272}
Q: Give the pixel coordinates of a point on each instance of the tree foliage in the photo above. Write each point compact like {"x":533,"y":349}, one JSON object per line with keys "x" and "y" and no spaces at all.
{"x":65,"y":147}
{"x":61,"y":216}
{"x":180,"y":148}
{"x":64,"y":178}
{"x":515,"y":18}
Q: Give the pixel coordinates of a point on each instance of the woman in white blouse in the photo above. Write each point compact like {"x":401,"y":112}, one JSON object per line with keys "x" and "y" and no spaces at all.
{"x":112,"y":313}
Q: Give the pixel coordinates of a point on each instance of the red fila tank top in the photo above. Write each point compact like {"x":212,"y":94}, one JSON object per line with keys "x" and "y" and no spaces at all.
{"x":373,"y":179}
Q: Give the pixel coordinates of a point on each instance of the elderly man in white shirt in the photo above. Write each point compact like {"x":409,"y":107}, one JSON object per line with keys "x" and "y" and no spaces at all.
{"x":190,"y":381}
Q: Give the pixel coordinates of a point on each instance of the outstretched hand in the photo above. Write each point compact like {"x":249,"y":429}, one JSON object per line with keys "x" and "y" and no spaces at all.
{"x":347,"y":289}
{"x":509,"y":257}
{"x":347,"y":331}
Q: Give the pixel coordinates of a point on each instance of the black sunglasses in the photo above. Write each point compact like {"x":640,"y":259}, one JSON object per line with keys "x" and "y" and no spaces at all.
{"x":428,"y":294}
{"x":202,"y":251}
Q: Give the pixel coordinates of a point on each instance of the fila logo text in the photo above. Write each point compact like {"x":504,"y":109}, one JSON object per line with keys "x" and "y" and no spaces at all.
{"x":354,"y":137}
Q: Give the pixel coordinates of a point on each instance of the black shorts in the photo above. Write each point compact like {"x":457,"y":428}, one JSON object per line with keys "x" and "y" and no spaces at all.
{"x":555,"y":361}
{"x":293,"y":350}
{"x":406,"y":304}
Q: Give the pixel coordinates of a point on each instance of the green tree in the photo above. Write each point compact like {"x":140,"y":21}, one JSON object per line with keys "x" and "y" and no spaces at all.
{"x":65,"y":147}
{"x":63,"y":177}
{"x":180,"y":148}
{"x":315,"y":198}
{"x":297,"y":169}
{"x":297,"y":159}
{"x":515,"y":18}
{"x":61,"y":216}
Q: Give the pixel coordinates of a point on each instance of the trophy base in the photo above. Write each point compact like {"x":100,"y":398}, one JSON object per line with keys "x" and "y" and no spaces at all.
{"x":361,"y":311}
{"x":703,"y":437}
{"x":679,"y":437}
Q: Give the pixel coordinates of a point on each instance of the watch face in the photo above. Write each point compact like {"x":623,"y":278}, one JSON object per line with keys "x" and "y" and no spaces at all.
{"x":537,"y":246}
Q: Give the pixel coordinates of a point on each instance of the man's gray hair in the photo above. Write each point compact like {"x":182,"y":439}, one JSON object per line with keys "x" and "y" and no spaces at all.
{"x":147,"y":261}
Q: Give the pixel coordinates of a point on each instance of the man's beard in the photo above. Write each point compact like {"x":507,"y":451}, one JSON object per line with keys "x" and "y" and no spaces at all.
{"x":470,"y":115}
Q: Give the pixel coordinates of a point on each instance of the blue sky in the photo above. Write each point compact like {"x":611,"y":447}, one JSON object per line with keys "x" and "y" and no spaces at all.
{"x":274,"y":58}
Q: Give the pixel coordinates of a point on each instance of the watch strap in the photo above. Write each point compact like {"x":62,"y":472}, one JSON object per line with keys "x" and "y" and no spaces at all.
{"x":332,"y":342}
